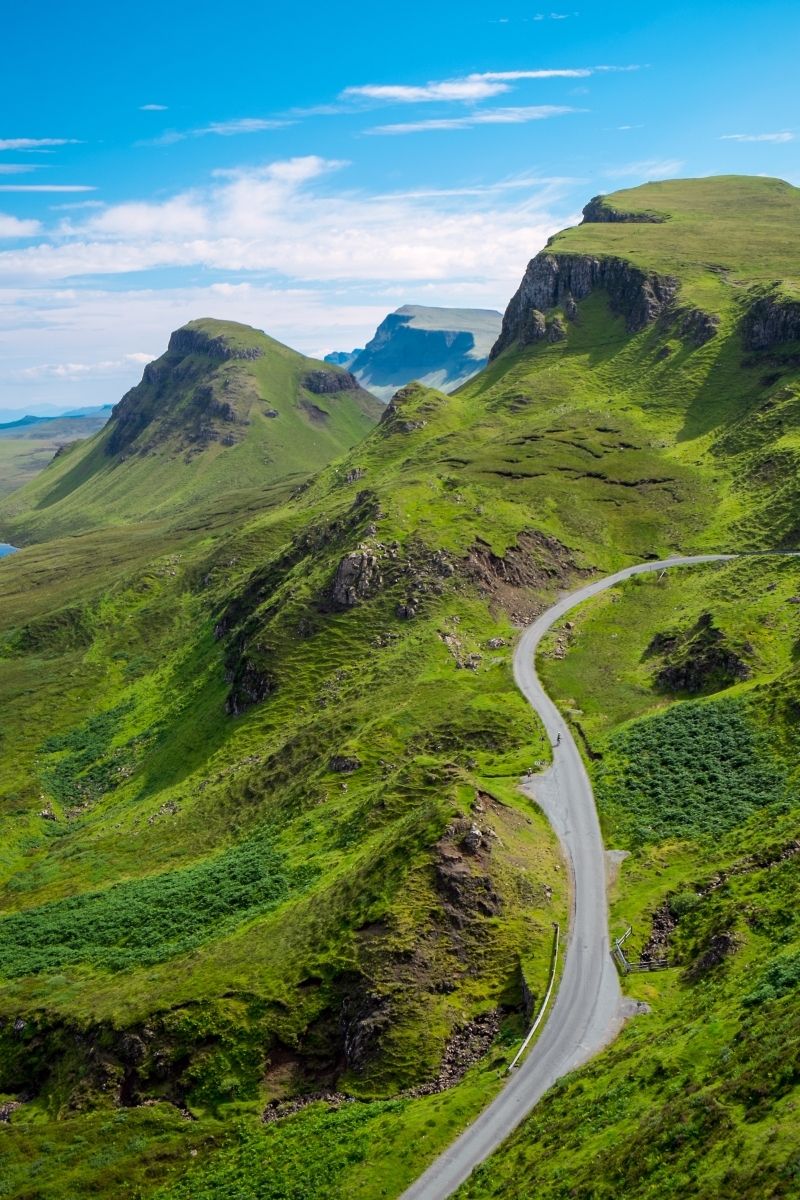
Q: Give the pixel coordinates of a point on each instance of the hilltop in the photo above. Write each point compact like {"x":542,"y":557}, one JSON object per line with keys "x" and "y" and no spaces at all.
{"x":226,"y":409}
{"x":263,"y":846}
{"x":438,"y":347}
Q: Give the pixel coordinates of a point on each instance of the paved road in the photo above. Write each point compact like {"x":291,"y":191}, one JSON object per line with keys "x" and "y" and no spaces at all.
{"x":587,"y":1012}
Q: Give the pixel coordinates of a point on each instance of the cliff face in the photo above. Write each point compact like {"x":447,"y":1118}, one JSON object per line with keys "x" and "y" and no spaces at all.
{"x":187,"y":340}
{"x":599,"y":211}
{"x":439,"y":347}
{"x":772,"y":320}
{"x":561,"y":280}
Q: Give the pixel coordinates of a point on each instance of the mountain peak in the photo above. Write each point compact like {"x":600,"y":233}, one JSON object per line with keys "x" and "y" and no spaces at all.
{"x":224,"y":408}
{"x":440,"y":347}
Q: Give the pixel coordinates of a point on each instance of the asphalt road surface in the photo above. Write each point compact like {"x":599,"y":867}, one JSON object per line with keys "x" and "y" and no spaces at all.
{"x":587,"y":1012}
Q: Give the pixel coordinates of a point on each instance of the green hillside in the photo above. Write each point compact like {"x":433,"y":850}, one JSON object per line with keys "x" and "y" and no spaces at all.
{"x":27,"y":448}
{"x":262,"y":844}
{"x":226,"y":409}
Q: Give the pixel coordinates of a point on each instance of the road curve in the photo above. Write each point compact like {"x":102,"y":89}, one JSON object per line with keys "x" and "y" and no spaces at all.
{"x":587,"y":1012}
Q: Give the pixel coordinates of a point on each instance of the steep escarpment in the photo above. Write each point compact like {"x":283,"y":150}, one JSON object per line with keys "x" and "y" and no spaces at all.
{"x":562,"y":280}
{"x":771,"y":319}
{"x":600,"y":210}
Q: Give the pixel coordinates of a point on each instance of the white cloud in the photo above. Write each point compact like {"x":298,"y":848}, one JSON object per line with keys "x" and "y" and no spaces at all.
{"x":474,"y":88}
{"x":46,"y":187}
{"x":152,"y":108}
{"x":35,"y":143}
{"x":273,"y":219}
{"x":75,"y":371}
{"x":180,"y":217}
{"x":491,"y":116}
{"x":19,"y":168}
{"x":221,"y":129}
{"x":289,"y":247}
{"x":557,"y":73}
{"x":477,"y":86}
{"x":13,"y":227}
{"x":785,"y":136}
{"x":650,"y":168}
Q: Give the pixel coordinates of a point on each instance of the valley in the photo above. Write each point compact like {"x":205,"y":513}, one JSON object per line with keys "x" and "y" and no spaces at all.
{"x":276,"y":913}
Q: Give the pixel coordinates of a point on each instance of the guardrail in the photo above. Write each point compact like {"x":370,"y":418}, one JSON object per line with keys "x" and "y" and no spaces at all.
{"x":541,"y":1012}
{"x":627,"y":966}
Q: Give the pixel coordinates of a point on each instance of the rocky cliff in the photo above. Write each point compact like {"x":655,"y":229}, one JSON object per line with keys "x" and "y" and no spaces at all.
{"x":773,"y":319}
{"x":599,"y":210}
{"x":190,"y":340}
{"x":561,"y":280}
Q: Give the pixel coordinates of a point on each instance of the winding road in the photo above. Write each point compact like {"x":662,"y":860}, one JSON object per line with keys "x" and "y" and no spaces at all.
{"x":588,"y":1010}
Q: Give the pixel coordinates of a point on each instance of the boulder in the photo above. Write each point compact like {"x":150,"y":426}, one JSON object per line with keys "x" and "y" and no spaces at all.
{"x":357,"y":577}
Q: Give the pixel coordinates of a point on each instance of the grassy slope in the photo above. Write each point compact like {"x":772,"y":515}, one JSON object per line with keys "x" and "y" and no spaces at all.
{"x":700,"y":1096}
{"x":598,"y":442}
{"x":26,"y":451}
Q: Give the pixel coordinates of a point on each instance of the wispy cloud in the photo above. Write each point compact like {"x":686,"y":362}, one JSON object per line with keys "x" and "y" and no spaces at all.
{"x":47,"y":187}
{"x":152,"y":108}
{"x":222,"y":129}
{"x":79,"y":370}
{"x":491,"y":116}
{"x":35,"y":143}
{"x":478,"y":86}
{"x":553,"y":16}
{"x":649,"y":168}
{"x":19,"y":168}
{"x":524,"y":182}
{"x":784,"y":136}
{"x":275,"y":219}
{"x":13,"y":227}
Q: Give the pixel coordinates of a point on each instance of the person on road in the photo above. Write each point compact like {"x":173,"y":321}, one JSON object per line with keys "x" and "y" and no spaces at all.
{"x":558,"y":739}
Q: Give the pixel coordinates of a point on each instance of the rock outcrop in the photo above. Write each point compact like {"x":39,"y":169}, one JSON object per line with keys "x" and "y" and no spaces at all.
{"x":357,"y":577}
{"x":324,"y":383}
{"x":599,"y":211}
{"x":560,"y":280}
{"x":698,"y":326}
{"x":186,"y":341}
{"x":772,"y":320}
{"x":698,"y":660}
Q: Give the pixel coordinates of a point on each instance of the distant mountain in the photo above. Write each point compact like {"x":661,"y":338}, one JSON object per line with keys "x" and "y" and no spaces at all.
{"x":10,"y":416}
{"x":98,"y":414}
{"x":343,"y":358}
{"x":440,"y":347}
{"x":225,"y":409}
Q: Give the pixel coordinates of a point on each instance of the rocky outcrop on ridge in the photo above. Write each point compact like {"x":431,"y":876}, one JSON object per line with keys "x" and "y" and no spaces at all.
{"x":324,"y":383}
{"x":560,"y":280}
{"x":599,"y":211}
{"x":772,"y":320}
{"x":186,"y":341}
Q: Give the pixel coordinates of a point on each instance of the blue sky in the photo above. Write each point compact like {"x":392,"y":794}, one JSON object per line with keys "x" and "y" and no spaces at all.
{"x":307,"y":168}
